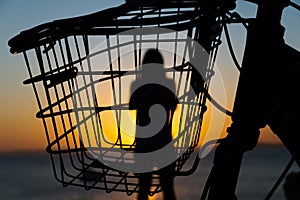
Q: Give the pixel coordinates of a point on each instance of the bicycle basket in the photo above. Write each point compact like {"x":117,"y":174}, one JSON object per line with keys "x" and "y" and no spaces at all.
{"x":80,"y":68}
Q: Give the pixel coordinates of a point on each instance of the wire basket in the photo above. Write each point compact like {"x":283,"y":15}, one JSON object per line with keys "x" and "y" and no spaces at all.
{"x":80,"y":70}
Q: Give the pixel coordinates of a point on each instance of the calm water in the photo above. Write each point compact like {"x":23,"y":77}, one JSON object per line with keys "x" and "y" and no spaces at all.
{"x":29,"y":176}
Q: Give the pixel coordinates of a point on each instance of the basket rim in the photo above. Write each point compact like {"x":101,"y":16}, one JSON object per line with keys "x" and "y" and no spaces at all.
{"x":90,"y":24}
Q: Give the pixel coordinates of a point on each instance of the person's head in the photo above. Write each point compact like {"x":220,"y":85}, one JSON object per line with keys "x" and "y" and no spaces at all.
{"x":153,"y":56}
{"x":152,"y":67}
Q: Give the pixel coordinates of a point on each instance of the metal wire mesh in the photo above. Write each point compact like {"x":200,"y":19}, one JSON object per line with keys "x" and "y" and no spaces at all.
{"x":81,"y":69}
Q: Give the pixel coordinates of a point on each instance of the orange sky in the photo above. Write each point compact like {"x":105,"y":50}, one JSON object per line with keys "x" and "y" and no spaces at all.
{"x":20,"y":130}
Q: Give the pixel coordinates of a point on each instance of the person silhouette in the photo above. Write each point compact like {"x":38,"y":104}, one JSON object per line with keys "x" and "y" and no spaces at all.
{"x":145,"y":93}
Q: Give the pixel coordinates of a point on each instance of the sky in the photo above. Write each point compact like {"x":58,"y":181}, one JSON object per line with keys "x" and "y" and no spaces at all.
{"x":20,"y":130}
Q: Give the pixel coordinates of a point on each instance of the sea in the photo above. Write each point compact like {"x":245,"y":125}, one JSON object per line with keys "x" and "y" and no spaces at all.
{"x":29,"y":176}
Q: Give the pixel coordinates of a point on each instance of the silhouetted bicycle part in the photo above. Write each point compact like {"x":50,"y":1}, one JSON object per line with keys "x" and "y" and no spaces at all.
{"x":268,"y":17}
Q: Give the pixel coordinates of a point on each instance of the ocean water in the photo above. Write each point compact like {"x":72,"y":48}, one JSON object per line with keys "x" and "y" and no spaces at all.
{"x":29,"y":176}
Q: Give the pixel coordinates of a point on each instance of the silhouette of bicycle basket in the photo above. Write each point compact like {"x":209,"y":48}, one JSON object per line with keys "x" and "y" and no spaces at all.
{"x":81,"y":69}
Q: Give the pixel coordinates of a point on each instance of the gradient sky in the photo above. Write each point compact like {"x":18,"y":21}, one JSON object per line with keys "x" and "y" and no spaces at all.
{"x":20,"y":130}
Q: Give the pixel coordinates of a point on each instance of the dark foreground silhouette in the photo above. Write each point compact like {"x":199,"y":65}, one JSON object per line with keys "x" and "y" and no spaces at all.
{"x":266,"y":95}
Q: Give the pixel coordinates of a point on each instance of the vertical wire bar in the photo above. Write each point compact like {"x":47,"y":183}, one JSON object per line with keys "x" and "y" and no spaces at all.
{"x":137,"y":75}
{"x":59,"y":105}
{"x":180,"y":78}
{"x":40,"y":108}
{"x":120,"y":102}
{"x":70,"y":85}
{"x":86,"y":47}
{"x":93,"y":90}
{"x":85,"y":88}
{"x":69,"y":56}
{"x":87,"y":52}
{"x":84,"y":80}
{"x":182,"y":62}
{"x":135,"y":56}
{"x":195,"y":108}
{"x":56,"y":92}
{"x":141,"y":39}
{"x":186,"y":89}
{"x":120,"y":90}
{"x":112,"y":77}
{"x":201,"y":96}
{"x":76,"y":96}
{"x":157,"y":35}
{"x":179,"y":83}
{"x":41,"y":65}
